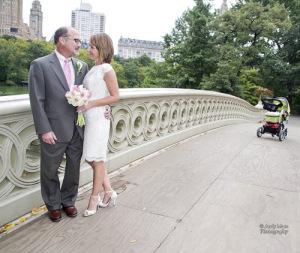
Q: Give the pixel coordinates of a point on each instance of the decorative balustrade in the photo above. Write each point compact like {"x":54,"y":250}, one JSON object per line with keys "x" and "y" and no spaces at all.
{"x":144,"y":121}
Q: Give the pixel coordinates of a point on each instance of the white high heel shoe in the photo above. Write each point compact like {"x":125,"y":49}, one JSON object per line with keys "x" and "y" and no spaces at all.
{"x":112,"y":199}
{"x":88,"y":212}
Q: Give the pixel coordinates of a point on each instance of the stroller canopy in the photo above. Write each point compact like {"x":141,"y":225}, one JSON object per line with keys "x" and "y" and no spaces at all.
{"x":276,"y":104}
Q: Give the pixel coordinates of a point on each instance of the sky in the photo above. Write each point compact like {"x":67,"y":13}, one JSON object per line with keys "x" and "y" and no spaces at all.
{"x":136,"y":19}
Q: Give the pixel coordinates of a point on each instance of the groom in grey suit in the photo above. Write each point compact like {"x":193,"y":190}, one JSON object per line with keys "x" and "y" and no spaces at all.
{"x":50,"y":77}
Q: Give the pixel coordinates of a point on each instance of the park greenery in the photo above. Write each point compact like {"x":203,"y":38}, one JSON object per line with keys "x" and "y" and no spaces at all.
{"x":249,"y":51}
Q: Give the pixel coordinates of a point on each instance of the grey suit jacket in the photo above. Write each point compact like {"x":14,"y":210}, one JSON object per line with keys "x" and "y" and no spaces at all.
{"x":47,"y":89}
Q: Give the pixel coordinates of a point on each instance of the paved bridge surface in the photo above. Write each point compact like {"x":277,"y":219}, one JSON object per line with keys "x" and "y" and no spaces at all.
{"x":222,"y":191}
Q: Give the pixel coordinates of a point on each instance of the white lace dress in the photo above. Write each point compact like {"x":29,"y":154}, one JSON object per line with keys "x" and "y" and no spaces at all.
{"x":96,"y":132}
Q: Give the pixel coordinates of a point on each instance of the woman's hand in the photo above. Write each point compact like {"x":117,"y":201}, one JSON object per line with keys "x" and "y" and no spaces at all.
{"x":85,"y":107}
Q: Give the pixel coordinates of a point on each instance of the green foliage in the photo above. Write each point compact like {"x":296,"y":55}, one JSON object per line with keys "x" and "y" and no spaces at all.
{"x":12,"y":90}
{"x":16,"y":56}
{"x":13,"y":61}
{"x":5,"y":51}
{"x":226,"y":78}
{"x":120,"y":72}
{"x":251,"y":50}
{"x":144,"y":61}
{"x":133,"y":71}
{"x":251,"y":82}
{"x":259,"y":40}
{"x":38,"y":48}
{"x":281,"y":70}
{"x":254,"y":30}
{"x":189,"y":49}
{"x":293,"y":7}
{"x":84,"y":56}
{"x":157,"y":75}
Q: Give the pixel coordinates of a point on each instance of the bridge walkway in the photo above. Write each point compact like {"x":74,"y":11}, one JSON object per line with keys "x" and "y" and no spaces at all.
{"x":222,"y":191}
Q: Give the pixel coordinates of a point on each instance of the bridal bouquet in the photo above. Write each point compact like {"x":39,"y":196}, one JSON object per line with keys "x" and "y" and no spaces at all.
{"x":78,"y":96}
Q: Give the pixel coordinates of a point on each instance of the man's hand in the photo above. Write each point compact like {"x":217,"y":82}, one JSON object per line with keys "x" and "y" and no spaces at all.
{"x":107,"y":112}
{"x":49,"y":138}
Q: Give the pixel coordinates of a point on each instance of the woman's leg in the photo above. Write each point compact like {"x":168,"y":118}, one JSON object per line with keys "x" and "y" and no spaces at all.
{"x":107,"y":189}
{"x":98,"y":180}
{"x":106,"y":183}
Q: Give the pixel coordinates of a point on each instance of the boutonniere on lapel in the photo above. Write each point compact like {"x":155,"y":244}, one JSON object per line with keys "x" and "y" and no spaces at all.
{"x":78,"y":67}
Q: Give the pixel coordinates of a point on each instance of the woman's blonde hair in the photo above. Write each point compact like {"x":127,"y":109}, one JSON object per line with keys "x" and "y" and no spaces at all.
{"x":104,"y":45}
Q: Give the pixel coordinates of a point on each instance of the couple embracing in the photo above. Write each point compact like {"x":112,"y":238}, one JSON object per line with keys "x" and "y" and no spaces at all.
{"x":50,"y":77}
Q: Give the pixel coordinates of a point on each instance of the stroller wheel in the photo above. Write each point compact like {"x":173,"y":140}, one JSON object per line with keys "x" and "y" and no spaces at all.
{"x":259,"y":132}
{"x":281,"y":135}
{"x":285,"y":133}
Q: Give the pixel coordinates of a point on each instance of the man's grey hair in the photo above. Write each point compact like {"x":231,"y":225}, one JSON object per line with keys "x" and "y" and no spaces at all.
{"x":60,"y":32}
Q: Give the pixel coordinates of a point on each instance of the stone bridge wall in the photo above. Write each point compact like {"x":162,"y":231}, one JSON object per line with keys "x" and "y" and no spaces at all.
{"x":144,"y":121}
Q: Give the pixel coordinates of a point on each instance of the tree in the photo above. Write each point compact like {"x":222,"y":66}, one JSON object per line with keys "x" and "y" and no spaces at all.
{"x":250,"y":39}
{"x":251,"y":82}
{"x":293,"y":7}
{"x":189,"y":49}
{"x":84,"y":56}
{"x":120,"y":72}
{"x":5,"y":51}
{"x":133,"y":70}
{"x":157,"y":75}
{"x":281,"y":70}
{"x":13,"y":61}
{"x":226,"y":78}
{"x":144,"y":60}
{"x":254,"y":29}
{"x":36,"y":49}
{"x":19,"y":67}
{"x":16,"y":56}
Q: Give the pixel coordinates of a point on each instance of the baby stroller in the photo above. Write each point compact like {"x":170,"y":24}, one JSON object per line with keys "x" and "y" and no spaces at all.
{"x":276,"y":117}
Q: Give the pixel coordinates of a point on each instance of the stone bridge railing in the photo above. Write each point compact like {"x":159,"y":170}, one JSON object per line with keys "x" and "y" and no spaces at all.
{"x":144,"y":121}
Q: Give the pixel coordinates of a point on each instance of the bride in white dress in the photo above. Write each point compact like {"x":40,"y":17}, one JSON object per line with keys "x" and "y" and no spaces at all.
{"x":102,"y":82}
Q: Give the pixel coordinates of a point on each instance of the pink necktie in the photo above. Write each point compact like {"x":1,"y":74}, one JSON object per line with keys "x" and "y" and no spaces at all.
{"x":67,"y":71}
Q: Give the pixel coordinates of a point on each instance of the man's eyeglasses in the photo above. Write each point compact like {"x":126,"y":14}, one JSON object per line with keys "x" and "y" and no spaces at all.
{"x":75,"y":40}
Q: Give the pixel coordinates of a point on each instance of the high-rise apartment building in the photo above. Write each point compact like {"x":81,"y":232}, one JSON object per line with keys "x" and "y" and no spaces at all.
{"x":36,"y":19}
{"x":10,"y":15}
{"x":133,"y":48}
{"x":87,"y":22}
{"x":11,"y":20}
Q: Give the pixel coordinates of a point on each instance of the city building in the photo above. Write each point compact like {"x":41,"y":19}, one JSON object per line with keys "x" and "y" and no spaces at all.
{"x":87,"y":22}
{"x":133,"y":48}
{"x":11,"y":20}
{"x":36,"y":19}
